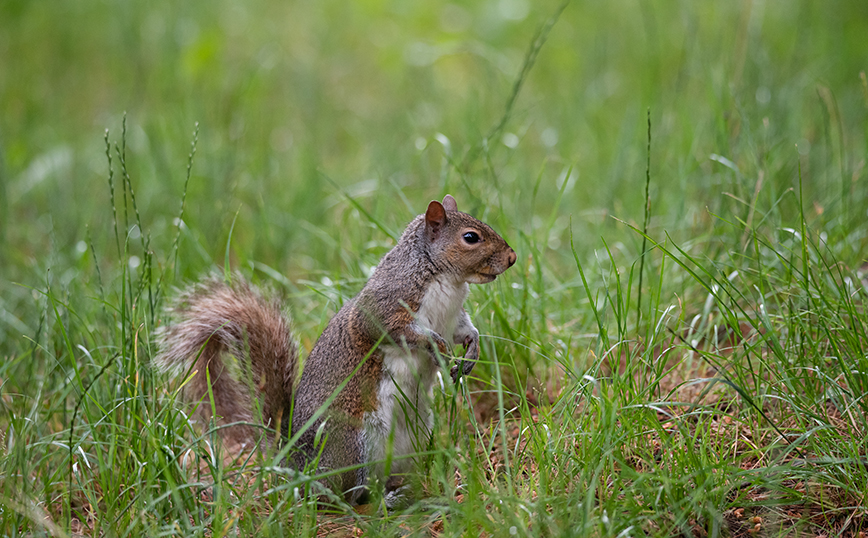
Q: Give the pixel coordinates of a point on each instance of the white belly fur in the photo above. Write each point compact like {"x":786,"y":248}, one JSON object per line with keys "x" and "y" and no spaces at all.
{"x":405,"y":392}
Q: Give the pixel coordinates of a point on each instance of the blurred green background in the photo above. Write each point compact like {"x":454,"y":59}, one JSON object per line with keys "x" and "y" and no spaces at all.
{"x":323,"y":127}
{"x":297,"y":101}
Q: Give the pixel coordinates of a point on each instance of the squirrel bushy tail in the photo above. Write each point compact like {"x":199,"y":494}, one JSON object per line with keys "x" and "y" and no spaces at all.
{"x":213,"y":322}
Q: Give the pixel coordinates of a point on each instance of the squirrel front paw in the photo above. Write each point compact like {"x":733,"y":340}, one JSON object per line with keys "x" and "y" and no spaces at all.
{"x":471,"y":355}
{"x":436,"y":345}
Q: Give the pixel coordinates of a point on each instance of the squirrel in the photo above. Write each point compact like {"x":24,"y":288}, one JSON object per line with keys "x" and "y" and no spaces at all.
{"x":384,"y":346}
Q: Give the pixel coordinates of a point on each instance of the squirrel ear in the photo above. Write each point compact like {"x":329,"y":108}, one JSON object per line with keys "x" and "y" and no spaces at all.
{"x":449,"y":203}
{"x":435,"y":220}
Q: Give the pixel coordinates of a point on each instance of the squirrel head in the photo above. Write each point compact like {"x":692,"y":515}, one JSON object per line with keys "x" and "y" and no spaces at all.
{"x":467,"y":247}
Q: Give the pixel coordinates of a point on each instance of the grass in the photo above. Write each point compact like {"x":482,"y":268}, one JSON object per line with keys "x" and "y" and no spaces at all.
{"x":680,"y":349}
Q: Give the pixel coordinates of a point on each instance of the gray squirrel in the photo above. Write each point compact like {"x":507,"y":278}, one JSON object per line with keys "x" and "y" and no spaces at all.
{"x":392,"y":335}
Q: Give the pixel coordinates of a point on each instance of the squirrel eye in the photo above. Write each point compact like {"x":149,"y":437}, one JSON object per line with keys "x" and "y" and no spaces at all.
{"x":471,"y":237}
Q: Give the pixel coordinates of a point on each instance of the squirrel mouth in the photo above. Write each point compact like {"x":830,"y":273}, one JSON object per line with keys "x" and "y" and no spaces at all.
{"x":486,"y":277}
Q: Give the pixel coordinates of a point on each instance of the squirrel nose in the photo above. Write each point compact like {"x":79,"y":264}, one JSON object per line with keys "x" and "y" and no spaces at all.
{"x":511,"y":258}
